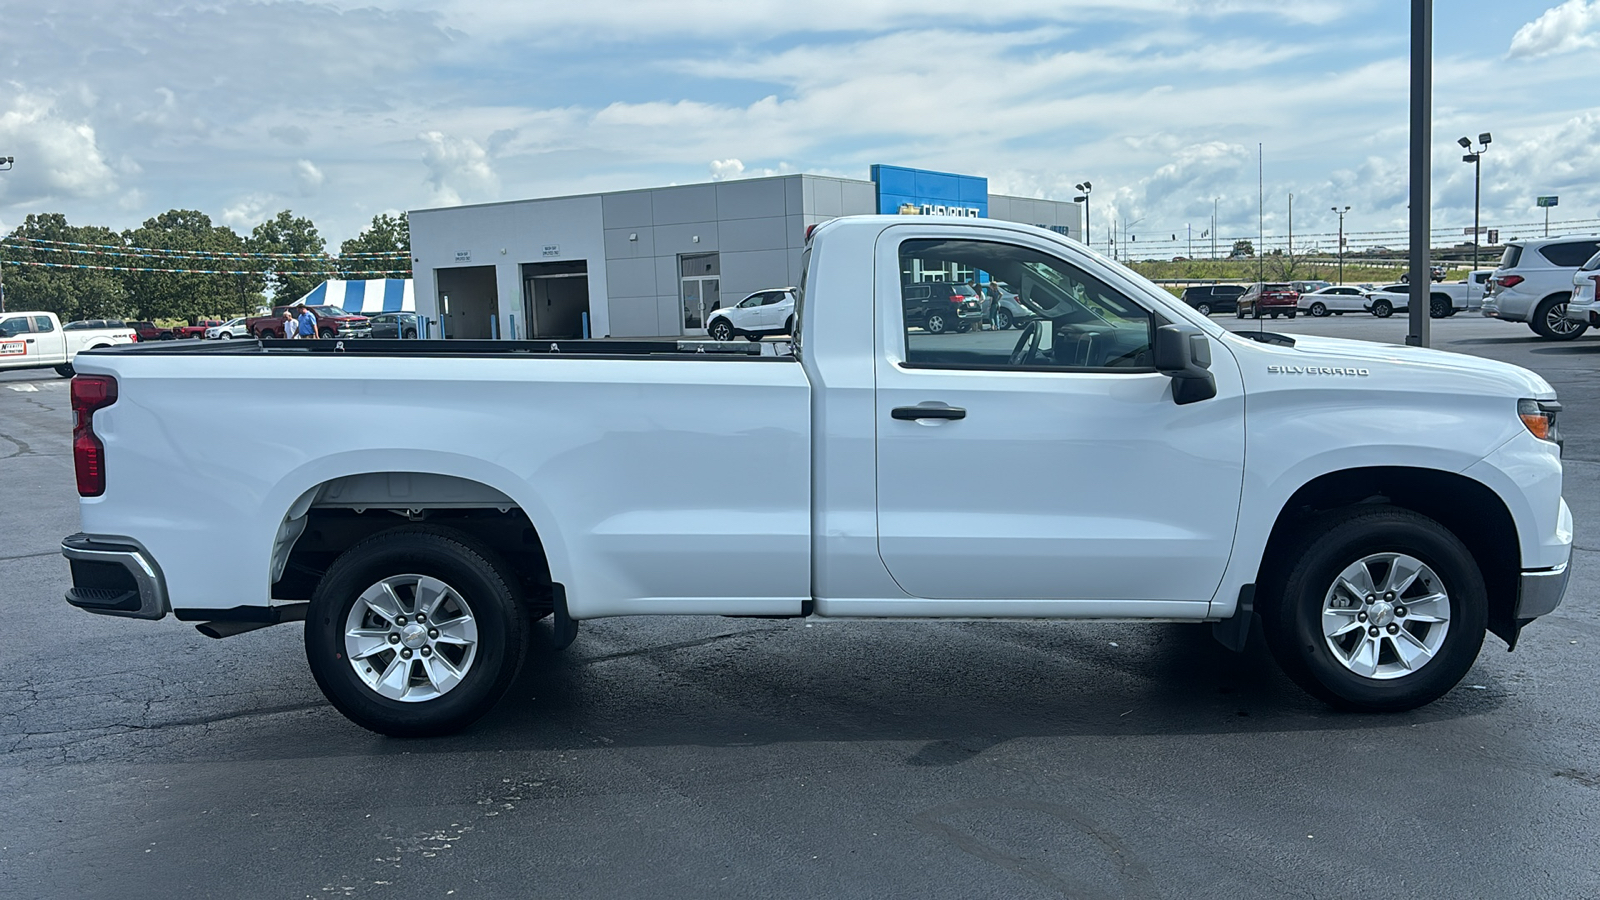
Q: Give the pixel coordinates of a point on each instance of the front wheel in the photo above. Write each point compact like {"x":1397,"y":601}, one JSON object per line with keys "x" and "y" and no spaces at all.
{"x":1319,"y":309}
{"x":226,"y":335}
{"x":325,"y":334}
{"x":752,"y":338}
{"x":721,"y":330}
{"x":415,"y":632}
{"x":1376,"y":609}
{"x":409,"y":333}
{"x":1383,"y":309}
{"x":1550,"y":319}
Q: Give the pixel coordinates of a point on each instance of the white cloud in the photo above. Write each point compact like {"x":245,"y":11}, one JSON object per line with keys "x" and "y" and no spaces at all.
{"x":307,"y":176}
{"x":723,"y":169}
{"x":1574,"y":25}
{"x":56,"y":156}
{"x":459,"y":170}
{"x":246,"y":212}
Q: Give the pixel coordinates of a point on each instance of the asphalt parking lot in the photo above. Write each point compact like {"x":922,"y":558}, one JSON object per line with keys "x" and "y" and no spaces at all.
{"x":687,"y":757}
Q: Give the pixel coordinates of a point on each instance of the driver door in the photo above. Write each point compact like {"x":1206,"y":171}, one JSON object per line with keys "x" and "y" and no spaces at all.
{"x":1051,"y":463}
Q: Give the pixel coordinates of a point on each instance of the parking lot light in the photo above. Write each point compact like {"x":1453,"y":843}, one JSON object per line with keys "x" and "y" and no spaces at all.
{"x":1476,"y":158}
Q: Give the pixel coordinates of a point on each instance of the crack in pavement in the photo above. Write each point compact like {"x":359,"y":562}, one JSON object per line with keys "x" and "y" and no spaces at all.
{"x":23,"y":447}
{"x":29,"y":555}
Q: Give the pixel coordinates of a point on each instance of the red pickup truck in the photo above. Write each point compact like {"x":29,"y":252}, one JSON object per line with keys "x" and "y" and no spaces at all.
{"x":331,"y":322}
{"x":196,"y":329}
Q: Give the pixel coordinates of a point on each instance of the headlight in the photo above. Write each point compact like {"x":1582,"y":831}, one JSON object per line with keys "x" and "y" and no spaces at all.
{"x":1540,"y":418}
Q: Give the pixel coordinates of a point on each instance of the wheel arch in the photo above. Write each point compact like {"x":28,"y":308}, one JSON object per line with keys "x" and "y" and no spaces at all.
{"x":1468,"y":508}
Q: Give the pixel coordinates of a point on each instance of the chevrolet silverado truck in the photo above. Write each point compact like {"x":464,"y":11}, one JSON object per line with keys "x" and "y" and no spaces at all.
{"x":37,"y":340}
{"x":1378,"y":508}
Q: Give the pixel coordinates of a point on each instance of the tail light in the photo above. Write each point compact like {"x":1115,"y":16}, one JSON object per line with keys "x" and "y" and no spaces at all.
{"x":1507,"y":281}
{"x":957,"y":298}
{"x":89,"y":393}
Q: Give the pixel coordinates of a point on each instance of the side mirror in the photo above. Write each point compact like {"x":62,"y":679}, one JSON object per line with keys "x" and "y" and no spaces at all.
{"x":1183,"y":353}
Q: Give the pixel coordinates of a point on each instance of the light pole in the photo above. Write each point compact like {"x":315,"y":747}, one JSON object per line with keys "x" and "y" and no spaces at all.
{"x":5,"y":166}
{"x":1476,"y":158}
{"x":1083,"y":198}
{"x":1214,"y":226}
{"x":1341,"y":213}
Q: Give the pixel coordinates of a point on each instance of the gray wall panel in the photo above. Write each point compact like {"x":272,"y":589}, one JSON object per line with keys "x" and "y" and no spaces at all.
{"x":860,"y":198}
{"x":669,"y":315}
{"x":770,"y":233}
{"x":625,"y":209}
{"x":743,"y":273}
{"x":750,"y":199}
{"x":619,"y":247}
{"x":691,"y":203}
{"x":630,"y":278}
{"x":829,"y":198}
{"x":633,"y":317}
{"x":675,"y":239}
{"x":794,"y":195}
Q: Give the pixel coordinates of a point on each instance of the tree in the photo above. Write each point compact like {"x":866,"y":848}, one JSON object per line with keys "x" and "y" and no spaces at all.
{"x":387,"y":235}
{"x":287,"y":233}
{"x":178,"y":290}
{"x":71,"y":293}
{"x":1242,"y":249}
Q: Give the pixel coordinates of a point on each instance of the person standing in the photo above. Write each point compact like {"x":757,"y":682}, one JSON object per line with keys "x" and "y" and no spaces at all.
{"x":308,"y":323}
{"x":290,"y":326}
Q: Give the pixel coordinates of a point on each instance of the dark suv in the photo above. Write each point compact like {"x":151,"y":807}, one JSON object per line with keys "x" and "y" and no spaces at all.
{"x":937,"y":307}
{"x":1270,"y":298}
{"x":1213,"y":298}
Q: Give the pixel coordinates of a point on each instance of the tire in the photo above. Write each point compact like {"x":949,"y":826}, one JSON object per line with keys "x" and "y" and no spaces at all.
{"x":936,"y":323}
{"x":1319,"y":309}
{"x":264,"y":335}
{"x":1002,"y":320}
{"x":409,"y":334}
{"x":1272,"y":315}
{"x":788,"y":326}
{"x":721,"y":330}
{"x":1548,"y":322}
{"x":483,"y":657}
{"x":1383,"y":309}
{"x":1439,"y":307}
{"x":963,"y":326}
{"x":1255,"y":312}
{"x":752,"y":338}
{"x":1315,"y":629}
{"x":1238,"y":312}
{"x":65,"y":370}
{"x":325,"y":334}
{"x":1203,"y":309}
{"x":1290,"y":313}
{"x":226,"y":336}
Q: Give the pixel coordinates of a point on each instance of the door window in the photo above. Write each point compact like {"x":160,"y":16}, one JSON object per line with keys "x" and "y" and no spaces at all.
{"x":43,"y":325}
{"x":1074,"y":320}
{"x":15,"y":326}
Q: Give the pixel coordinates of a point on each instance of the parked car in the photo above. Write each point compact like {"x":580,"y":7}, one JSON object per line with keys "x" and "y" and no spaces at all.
{"x":1267,"y":298}
{"x":938,"y":307}
{"x":1435,"y":273}
{"x":1305,"y":287}
{"x":38,"y":340}
{"x":1213,"y":298}
{"x":90,"y":324}
{"x":764,"y":312}
{"x":150,"y":331}
{"x":1584,"y":307}
{"x":331,"y":322}
{"x":1443,"y":299}
{"x":1377,"y":508}
{"x":1534,"y":283}
{"x":1006,"y":312}
{"x":196,"y":328}
{"x":227,"y":331}
{"x":394,"y":325}
{"x":1333,"y":300}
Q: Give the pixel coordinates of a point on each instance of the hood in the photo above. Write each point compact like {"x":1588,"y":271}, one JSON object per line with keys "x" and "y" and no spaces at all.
{"x":1397,"y":366}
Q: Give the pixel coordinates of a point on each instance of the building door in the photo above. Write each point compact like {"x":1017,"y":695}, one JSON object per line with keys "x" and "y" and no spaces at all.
{"x":555,"y":299}
{"x":700,"y":287}
{"x":469,"y":302}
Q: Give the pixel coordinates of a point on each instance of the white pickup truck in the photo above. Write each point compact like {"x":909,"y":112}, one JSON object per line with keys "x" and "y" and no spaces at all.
{"x":37,"y":340}
{"x":418,"y":504}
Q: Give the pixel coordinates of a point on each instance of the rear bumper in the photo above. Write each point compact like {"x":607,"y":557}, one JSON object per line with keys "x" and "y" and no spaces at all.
{"x":115,"y":576}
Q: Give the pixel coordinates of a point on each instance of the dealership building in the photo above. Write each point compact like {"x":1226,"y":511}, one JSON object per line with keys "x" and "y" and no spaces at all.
{"x":654,"y":262}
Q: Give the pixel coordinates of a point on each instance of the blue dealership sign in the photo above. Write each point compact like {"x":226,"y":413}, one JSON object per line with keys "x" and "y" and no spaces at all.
{"x":930,"y":193}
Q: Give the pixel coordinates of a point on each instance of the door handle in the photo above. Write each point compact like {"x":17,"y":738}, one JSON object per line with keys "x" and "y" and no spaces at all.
{"x":27,"y":340}
{"x":911,"y":413}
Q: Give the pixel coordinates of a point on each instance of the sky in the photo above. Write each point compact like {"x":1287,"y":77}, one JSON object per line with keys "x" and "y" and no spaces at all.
{"x":341,"y":110}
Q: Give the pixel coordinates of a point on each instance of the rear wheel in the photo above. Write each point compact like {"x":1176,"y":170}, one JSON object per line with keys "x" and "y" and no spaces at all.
{"x":1550,"y":322}
{"x":1002,"y":320}
{"x":936,"y":323}
{"x":788,"y":326}
{"x":415,"y":632}
{"x":1319,"y":309}
{"x":752,"y":338}
{"x":721,"y":330}
{"x":1439,"y":306}
{"x":1376,"y":609}
{"x":65,"y":370}
{"x":409,"y":333}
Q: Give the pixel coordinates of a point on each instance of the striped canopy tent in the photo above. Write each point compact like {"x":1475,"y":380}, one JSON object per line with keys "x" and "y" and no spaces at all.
{"x":374,"y":295}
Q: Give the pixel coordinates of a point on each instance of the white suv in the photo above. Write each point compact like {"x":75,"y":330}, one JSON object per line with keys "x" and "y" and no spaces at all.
{"x":1534,"y":283}
{"x":769,"y":311}
{"x":1584,"y":308}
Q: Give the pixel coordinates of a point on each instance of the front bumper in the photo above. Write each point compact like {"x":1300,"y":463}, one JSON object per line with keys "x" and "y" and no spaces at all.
{"x":1539,"y":592}
{"x":115,"y":576}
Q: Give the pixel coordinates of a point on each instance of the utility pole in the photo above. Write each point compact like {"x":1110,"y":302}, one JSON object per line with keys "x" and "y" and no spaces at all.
{"x":1291,"y":229}
{"x":1214,"y":226}
{"x":1261,"y":213}
{"x":1421,"y":283}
